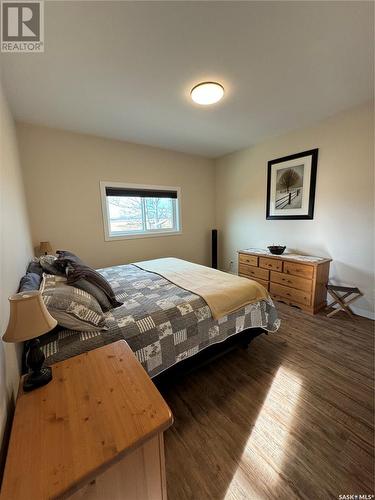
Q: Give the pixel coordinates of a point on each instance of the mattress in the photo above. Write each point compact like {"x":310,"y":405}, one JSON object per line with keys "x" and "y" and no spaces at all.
{"x":162,"y":323}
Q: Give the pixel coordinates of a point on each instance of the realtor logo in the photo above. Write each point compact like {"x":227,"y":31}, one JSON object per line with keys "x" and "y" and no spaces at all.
{"x":22,"y":26}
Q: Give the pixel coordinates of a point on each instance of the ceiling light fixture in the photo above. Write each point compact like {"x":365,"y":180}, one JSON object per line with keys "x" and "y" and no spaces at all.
{"x":206,"y":93}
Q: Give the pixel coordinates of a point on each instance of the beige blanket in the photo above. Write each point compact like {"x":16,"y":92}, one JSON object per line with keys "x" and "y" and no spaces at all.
{"x":223,"y":292}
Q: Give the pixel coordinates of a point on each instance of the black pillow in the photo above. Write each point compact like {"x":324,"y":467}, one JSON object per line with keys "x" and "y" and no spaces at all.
{"x":77,"y":272}
{"x":64,"y":257}
{"x":48,"y":263}
{"x":35,"y":267}
{"x":30,"y":282}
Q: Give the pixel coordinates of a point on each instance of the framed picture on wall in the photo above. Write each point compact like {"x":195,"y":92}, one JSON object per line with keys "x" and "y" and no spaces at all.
{"x":291,"y":186}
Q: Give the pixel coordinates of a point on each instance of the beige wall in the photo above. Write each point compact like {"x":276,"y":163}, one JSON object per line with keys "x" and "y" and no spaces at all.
{"x":62,"y":172}
{"x":15,"y":252}
{"x":343,"y":224}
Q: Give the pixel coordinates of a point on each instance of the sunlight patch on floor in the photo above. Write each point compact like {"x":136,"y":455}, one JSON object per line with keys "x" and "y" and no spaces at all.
{"x":265,"y":450}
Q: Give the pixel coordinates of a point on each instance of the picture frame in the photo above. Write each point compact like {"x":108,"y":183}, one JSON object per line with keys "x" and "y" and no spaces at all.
{"x":291,"y":182}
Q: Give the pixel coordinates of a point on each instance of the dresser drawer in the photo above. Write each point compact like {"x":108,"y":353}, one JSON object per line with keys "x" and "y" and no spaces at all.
{"x":291,"y":294}
{"x":251,"y":260}
{"x":293,"y":281}
{"x":266,"y":284}
{"x":276,"y":265}
{"x":302,"y":270}
{"x":253,"y":272}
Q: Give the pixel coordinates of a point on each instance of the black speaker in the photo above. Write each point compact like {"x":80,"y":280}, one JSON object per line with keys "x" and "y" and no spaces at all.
{"x":214,"y":248}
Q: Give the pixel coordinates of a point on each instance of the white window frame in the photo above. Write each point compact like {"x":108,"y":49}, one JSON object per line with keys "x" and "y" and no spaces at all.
{"x":139,"y":234}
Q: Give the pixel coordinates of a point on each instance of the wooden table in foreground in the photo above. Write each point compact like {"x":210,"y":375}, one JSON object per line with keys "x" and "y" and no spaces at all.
{"x":297,"y":280}
{"x":94,"y":432}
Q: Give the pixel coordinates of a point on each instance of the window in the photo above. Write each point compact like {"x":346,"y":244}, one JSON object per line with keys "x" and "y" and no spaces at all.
{"x":131,"y":211}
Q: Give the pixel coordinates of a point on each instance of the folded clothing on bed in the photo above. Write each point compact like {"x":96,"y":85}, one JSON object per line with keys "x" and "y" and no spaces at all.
{"x":224,"y":293}
{"x":76,"y":273}
{"x":86,"y":278}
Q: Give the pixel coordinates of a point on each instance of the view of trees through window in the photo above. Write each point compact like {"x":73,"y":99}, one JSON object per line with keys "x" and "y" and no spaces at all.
{"x":129,"y":214}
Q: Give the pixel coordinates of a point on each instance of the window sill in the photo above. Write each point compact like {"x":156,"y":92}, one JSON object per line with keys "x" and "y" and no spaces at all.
{"x":141,"y":235}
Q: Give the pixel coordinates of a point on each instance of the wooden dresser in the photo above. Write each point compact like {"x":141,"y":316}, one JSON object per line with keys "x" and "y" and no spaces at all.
{"x":95,"y":432}
{"x":298,"y":280}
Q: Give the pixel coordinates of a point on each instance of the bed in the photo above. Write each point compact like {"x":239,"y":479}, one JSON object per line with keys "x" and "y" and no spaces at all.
{"x":163,"y":323}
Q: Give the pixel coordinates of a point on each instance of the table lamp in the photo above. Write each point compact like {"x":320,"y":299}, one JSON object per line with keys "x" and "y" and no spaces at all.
{"x":29,"y":318}
{"x":45,"y":248}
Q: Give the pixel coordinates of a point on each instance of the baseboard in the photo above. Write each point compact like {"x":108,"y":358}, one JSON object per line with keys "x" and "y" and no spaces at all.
{"x":359,"y":311}
{"x":363,"y":312}
{"x":6,"y":437}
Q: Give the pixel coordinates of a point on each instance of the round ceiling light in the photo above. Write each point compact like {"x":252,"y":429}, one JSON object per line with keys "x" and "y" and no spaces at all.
{"x":206,"y":93}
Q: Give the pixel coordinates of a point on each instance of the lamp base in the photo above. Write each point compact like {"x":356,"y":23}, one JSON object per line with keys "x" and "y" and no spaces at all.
{"x":39,"y":375}
{"x":37,"y":379}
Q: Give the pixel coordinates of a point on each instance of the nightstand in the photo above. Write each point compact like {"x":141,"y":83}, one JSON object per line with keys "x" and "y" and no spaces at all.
{"x":94,"y":432}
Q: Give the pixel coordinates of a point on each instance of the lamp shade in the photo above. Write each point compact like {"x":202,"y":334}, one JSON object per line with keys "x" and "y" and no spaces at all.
{"x":28,"y":318}
{"x":45,"y":247}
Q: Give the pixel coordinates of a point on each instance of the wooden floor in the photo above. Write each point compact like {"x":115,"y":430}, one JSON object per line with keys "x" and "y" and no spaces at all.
{"x":290,"y":417}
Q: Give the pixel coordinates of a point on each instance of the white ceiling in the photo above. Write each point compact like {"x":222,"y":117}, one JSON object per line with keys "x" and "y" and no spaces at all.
{"x":124,"y":69}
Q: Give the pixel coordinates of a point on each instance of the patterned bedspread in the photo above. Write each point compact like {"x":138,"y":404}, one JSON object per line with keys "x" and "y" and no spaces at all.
{"x":161,"y":322}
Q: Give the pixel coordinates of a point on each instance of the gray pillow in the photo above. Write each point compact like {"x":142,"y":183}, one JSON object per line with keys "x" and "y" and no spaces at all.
{"x":96,"y":292}
{"x":72,"y":308}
